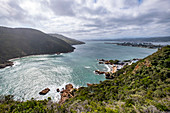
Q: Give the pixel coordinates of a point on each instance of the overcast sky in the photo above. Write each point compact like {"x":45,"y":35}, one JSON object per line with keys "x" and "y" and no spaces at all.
{"x":89,"y":18}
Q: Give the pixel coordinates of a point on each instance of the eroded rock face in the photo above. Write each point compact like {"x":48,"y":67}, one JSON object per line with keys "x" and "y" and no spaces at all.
{"x":67,"y":93}
{"x":44,"y":92}
{"x":69,"y":86}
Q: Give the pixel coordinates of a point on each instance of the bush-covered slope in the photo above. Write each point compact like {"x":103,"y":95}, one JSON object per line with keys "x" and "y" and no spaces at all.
{"x":18,"y":42}
{"x":141,"y":87}
{"x":68,"y":40}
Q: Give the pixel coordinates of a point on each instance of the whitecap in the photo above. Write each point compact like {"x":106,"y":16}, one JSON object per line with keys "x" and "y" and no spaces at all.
{"x":16,"y":63}
{"x":87,"y":67}
{"x":108,"y":67}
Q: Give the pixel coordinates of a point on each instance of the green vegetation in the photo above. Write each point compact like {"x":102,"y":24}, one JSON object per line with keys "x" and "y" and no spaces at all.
{"x":7,"y":104}
{"x":114,"y":61}
{"x":19,"y":42}
{"x":68,"y":40}
{"x":141,"y":87}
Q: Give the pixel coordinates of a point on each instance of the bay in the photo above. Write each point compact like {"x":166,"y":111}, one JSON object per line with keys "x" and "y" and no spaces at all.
{"x":31,"y":74}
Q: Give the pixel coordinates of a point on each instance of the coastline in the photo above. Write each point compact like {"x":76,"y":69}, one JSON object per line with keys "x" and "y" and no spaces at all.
{"x":10,"y":62}
{"x":113,"y":66}
{"x":132,"y":44}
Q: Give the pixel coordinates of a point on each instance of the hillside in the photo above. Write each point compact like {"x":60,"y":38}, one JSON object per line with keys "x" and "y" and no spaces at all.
{"x":141,"y":87}
{"x":68,"y":40}
{"x":19,"y":42}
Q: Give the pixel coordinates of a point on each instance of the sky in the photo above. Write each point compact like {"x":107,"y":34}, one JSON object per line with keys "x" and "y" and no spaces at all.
{"x":87,"y":19}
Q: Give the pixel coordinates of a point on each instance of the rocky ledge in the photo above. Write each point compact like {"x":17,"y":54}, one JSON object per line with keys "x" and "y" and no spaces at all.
{"x":8,"y":63}
{"x":99,"y":72}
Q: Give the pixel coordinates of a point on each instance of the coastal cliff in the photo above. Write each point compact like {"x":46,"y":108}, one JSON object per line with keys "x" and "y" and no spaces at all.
{"x":20,"y":42}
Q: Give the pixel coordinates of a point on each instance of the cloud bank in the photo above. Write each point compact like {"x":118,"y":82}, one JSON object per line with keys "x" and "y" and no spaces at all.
{"x":89,"y":18}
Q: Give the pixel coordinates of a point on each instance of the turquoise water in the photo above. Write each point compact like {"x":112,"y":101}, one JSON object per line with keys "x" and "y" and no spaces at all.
{"x":32,"y":74}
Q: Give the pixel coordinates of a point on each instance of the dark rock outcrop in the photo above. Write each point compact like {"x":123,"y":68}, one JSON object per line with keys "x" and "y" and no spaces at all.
{"x":44,"y":92}
{"x":99,"y":72}
{"x":67,"y":93}
{"x":58,"y":90}
{"x":101,"y":60}
{"x":8,"y":63}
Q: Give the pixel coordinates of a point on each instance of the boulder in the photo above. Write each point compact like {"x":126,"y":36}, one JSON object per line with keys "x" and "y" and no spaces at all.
{"x":89,"y":84}
{"x":44,"y":92}
{"x":58,"y":90}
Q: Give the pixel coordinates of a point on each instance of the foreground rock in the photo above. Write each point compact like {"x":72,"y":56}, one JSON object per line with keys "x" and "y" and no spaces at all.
{"x":44,"y":92}
{"x":89,"y":84}
{"x":67,"y":93}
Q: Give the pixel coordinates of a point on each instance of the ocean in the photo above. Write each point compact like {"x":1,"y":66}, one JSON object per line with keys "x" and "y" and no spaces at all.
{"x":31,"y":74}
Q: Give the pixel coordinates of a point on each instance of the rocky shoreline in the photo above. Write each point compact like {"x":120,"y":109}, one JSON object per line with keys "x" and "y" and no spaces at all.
{"x":10,"y":63}
{"x":135,"y":44}
{"x":114,"y":66}
{"x":68,"y":92}
{"x":5,"y":64}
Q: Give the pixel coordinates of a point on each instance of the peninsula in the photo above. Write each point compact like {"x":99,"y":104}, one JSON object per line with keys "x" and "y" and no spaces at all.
{"x":135,"y":44}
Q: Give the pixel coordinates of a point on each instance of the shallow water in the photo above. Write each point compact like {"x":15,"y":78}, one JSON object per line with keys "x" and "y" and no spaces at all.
{"x":32,"y":74}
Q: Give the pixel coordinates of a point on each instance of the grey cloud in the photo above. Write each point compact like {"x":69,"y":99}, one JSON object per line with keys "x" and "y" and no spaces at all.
{"x":17,"y":13}
{"x":62,"y":7}
{"x":96,"y":11}
{"x":96,"y":21}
